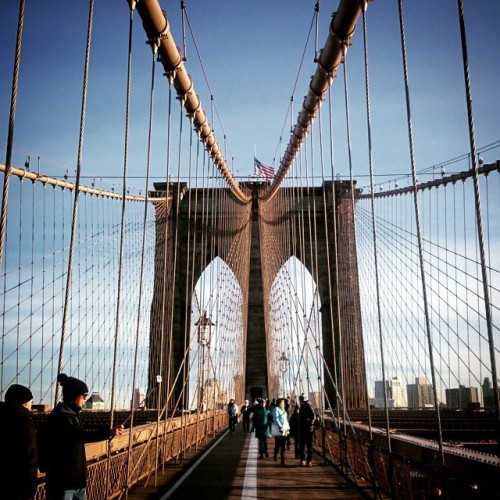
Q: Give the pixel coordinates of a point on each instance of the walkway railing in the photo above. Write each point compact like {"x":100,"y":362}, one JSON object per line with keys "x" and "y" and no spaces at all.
{"x":412,"y":469}
{"x":174,"y":436}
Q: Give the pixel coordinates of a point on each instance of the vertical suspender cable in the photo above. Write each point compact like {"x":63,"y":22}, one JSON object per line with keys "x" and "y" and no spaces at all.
{"x":419,"y":233}
{"x":330,"y":275}
{"x":479,"y":218}
{"x":316,"y":12}
{"x":315,"y":310}
{"x":10,"y":138}
{"x":343,"y":443}
{"x":143,"y":253}
{"x":187,"y":292}
{"x":122,"y":222}
{"x":53,"y":277}
{"x":75,"y":204}
{"x":44,"y":243}
{"x":174,"y":263}
{"x":159,"y":395}
{"x":183,"y":17}
{"x":314,"y":265}
{"x":164,"y":270}
{"x":307,"y":158}
{"x":192,"y":261}
{"x":351,"y":181}
{"x":337,"y":366}
{"x":122,"y":239}
{"x":19,"y":261}
{"x":374,"y":230}
{"x":32,"y":279}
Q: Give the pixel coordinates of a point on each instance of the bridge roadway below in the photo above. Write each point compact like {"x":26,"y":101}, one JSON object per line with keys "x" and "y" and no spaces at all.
{"x":229,"y":468}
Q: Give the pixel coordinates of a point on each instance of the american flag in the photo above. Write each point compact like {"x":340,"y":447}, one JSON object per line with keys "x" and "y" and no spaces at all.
{"x":263,"y":171}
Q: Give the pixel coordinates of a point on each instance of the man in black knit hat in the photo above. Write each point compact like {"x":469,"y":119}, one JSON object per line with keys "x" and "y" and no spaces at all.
{"x":306,"y":430}
{"x":62,"y":450}
{"x":18,"y":455}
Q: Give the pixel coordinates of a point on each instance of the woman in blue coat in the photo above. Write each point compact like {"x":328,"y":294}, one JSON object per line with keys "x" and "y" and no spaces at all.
{"x":280,"y":429}
{"x":262,"y":425}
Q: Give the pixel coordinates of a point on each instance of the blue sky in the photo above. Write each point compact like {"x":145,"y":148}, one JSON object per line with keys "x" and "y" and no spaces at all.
{"x":251,"y":53}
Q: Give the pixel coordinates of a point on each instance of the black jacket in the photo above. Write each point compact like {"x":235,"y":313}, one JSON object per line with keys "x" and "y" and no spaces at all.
{"x":18,"y":453}
{"x":306,"y":418}
{"x":62,"y":448}
{"x":294,"y":424}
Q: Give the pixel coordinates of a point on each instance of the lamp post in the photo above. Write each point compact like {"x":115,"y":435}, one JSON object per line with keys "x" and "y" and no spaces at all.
{"x":283,"y":368}
{"x":283,"y":363}
{"x":204,"y":326}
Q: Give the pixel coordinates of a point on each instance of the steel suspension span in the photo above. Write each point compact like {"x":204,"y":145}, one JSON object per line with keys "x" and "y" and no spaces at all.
{"x":160,"y":38}
{"x":341,"y":30}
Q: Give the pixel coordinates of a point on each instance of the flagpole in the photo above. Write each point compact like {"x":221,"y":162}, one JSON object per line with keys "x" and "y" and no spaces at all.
{"x":254,"y":158}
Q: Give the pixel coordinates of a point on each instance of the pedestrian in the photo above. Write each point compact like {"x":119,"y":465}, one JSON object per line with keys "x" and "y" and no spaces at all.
{"x":19,"y":452}
{"x":261,"y":424}
{"x":245,"y":411}
{"x":62,"y":443}
{"x":287,"y":409}
{"x":294,"y":430}
{"x":306,"y":431}
{"x":280,"y":429}
{"x":232,"y":411}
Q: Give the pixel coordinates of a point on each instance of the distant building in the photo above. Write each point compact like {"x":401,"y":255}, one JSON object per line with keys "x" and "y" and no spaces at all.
{"x":489,"y":400}
{"x":138,"y":398}
{"x":461,"y":396}
{"x":395,"y":394}
{"x":95,"y":402}
{"x":420,"y":394}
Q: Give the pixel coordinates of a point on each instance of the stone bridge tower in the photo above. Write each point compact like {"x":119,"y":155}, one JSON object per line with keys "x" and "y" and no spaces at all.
{"x":186,"y":226}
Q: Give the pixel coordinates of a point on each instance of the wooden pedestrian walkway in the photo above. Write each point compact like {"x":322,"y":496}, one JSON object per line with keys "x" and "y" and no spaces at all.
{"x":230,"y":469}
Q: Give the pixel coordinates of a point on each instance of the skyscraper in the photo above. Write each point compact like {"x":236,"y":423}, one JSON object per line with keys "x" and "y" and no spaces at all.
{"x":395,"y":395}
{"x":420,"y":394}
{"x":488,"y":393}
{"x":461,"y":396}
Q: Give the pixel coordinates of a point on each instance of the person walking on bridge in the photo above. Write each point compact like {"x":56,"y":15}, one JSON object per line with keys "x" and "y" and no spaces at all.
{"x":294,"y":430}
{"x":245,"y":411}
{"x":280,"y":429}
{"x":232,"y":411}
{"x":306,"y":430}
{"x":62,"y":443}
{"x":19,"y":452}
{"x":261,"y":425}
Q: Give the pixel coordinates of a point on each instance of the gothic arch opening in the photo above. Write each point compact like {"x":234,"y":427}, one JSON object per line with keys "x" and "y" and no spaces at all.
{"x":295,"y":334}
{"x":216,"y":340}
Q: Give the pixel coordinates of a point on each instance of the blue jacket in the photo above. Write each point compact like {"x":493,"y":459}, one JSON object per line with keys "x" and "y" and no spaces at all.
{"x":262,"y":422}
{"x":280,"y":419}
